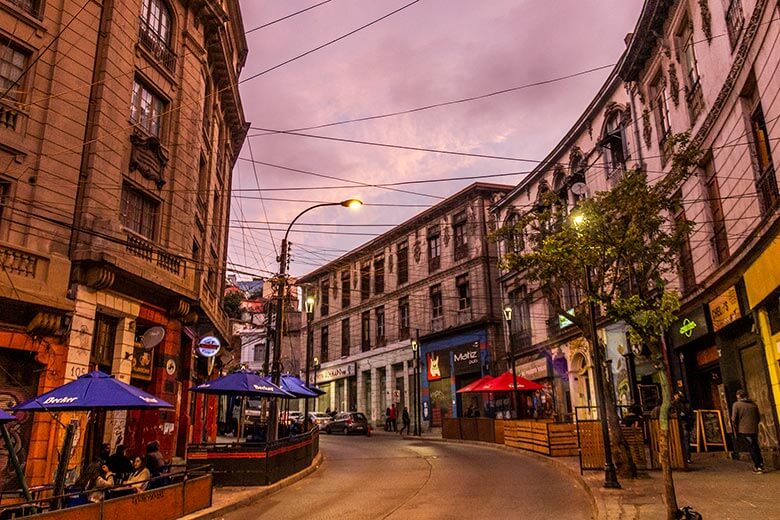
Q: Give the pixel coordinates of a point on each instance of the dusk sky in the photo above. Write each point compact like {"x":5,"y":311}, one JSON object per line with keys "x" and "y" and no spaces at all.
{"x":431,"y":52}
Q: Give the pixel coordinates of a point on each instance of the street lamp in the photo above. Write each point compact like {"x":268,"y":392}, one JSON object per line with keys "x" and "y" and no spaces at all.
{"x":610,"y":475}
{"x":511,"y":356}
{"x":282,"y":288}
{"x":309,"y":303}
{"x":416,"y":375}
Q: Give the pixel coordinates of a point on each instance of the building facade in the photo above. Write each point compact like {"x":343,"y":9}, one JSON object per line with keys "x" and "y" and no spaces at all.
{"x":118,"y":139}
{"x":708,"y":68}
{"x":431,"y":279}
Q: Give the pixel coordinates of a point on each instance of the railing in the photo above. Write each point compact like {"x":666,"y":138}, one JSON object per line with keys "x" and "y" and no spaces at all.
{"x":9,"y":116}
{"x":18,"y":262}
{"x":465,"y":316}
{"x":437,"y":324}
{"x":521,"y":341}
{"x":403,"y":333}
{"x":434,"y":264}
{"x":143,"y":249}
{"x":461,"y":251}
{"x":767,"y":189}
{"x":735,"y":21}
{"x":152,"y":42}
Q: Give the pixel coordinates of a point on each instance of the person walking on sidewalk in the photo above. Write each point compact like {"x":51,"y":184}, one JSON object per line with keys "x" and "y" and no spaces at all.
{"x":745,"y":418}
{"x":406,"y":420}
{"x":393,"y":418}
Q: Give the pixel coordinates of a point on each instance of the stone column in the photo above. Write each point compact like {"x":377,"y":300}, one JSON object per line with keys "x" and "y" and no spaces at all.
{"x":122,"y":367}
{"x":375,"y":395}
{"x":389,"y":384}
{"x":408,"y":395}
{"x":332,"y":392}
{"x":361,"y":394}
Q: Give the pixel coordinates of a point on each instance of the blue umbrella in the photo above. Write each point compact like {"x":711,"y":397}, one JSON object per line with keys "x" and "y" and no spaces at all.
{"x":242,"y":383}
{"x":317,"y":390}
{"x":93,"y":391}
{"x":6,"y":417}
{"x":296,"y":387}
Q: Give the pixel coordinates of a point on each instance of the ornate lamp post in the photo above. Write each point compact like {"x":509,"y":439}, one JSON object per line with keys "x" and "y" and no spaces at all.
{"x":511,"y":356}
{"x":309,"y":303}
{"x":282,"y":289}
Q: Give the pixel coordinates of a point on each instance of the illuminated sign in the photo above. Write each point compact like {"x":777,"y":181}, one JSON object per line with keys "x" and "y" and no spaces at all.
{"x":687,"y":327}
{"x":209,"y":346}
{"x":563,"y":321}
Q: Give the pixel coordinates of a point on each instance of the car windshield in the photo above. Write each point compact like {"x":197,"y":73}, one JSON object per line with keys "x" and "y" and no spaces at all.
{"x":359,"y":416}
{"x":320,"y":415}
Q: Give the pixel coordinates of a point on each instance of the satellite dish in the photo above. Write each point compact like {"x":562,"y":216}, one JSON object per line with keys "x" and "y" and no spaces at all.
{"x":152,"y":337}
{"x":579,"y":188}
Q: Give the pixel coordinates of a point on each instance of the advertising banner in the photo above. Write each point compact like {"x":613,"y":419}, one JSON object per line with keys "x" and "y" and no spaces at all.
{"x":465,"y":359}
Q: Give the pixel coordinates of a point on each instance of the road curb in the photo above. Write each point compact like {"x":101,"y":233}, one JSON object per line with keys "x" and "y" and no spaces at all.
{"x":215,"y":511}
{"x":597,"y":503}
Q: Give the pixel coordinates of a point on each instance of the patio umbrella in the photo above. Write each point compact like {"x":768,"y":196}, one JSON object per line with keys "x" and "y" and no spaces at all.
{"x":296,"y":387}
{"x":317,"y":390}
{"x":243,"y":383}
{"x":503,"y":383}
{"x":93,"y":391}
{"x":471,"y":386}
{"x":6,"y":417}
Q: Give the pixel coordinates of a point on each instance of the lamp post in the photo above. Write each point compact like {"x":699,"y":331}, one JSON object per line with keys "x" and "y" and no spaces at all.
{"x":282,"y":289}
{"x":511,"y":357}
{"x":416,"y":376}
{"x":309,"y":347}
{"x":610,"y":475}
{"x":315,"y":364}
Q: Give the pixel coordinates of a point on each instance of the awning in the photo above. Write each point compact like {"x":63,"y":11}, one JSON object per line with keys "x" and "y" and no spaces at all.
{"x":763,"y":277}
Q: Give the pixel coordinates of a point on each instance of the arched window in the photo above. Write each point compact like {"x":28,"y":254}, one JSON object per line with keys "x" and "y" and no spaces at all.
{"x":156,"y":21}
{"x":615,"y":143}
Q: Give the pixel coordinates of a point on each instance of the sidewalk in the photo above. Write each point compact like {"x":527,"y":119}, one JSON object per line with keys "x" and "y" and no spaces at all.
{"x":716,"y":486}
{"x":227,"y":499}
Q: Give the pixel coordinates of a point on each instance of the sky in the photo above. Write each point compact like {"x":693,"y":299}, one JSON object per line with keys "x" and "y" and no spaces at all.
{"x":431,"y":52}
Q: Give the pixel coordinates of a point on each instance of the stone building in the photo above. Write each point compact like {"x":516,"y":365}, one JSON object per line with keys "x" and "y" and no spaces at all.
{"x":433,"y":275}
{"x":708,"y":67}
{"x":117,"y":147}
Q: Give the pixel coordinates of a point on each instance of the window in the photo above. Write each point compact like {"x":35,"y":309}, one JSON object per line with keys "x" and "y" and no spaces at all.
{"x":437,"y":309}
{"x":687,"y":274}
{"x":403,"y":318}
{"x":365,"y":281}
{"x":766,"y":181}
{"x":514,"y":240}
{"x":720,"y":240}
{"x":346,"y":290}
{"x":735,"y":21}
{"x":459,"y":235}
{"x":661,"y":109}
{"x":402,"y":253}
{"x":12,"y":63}
{"x":258,"y":352}
{"x":693,"y":93}
{"x":138,"y":212}
{"x":521,"y":315}
{"x":365,"y":331}
{"x":464,"y":292}
{"x":5,"y":189}
{"x":146,"y":110}
{"x":345,"y":336}
{"x":323,"y":344}
{"x":615,"y":144}
{"x":379,"y":275}
{"x":325,"y":298}
{"x":434,"y":250}
{"x":379,"y":316}
{"x":32,"y":7}
{"x":103,"y":339}
{"x":156,"y":20}
{"x":570,"y":296}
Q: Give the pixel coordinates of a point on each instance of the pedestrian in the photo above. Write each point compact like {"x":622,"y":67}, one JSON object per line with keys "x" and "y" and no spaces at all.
{"x":387,"y":419}
{"x":139,"y":478}
{"x":745,"y":417}
{"x":119,"y":463}
{"x":406,"y":420}
{"x":154,"y":459}
{"x":681,"y":408}
{"x":393,"y":418}
{"x":104,"y":481}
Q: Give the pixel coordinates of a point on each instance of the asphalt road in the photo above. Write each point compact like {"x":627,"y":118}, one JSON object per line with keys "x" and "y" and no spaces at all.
{"x":384,"y":476}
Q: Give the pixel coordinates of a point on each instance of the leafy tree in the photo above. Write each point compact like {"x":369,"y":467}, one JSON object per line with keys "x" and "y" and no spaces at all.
{"x":630,"y":240}
{"x":231,"y":304}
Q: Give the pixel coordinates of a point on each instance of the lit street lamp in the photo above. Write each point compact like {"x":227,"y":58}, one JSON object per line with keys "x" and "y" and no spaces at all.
{"x":273,"y":425}
{"x":610,"y":475}
{"x":309,"y":347}
{"x":511,"y":356}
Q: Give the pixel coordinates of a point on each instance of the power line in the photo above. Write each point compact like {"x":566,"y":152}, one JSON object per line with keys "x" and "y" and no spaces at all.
{"x":285,"y":17}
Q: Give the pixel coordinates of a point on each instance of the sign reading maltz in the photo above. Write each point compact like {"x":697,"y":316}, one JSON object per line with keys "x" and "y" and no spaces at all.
{"x":466,"y":359}
{"x":725,"y":309}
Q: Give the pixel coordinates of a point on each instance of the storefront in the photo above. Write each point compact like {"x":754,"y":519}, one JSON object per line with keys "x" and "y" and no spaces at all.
{"x":339,"y":382}
{"x":540,"y":404}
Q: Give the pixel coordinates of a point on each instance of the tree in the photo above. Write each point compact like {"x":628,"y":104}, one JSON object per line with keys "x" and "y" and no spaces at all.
{"x":631,"y":241}
{"x":231,"y":304}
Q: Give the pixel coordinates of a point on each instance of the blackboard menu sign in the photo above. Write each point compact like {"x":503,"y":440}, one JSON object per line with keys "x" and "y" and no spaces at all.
{"x":649,"y":397}
{"x":709,"y":430}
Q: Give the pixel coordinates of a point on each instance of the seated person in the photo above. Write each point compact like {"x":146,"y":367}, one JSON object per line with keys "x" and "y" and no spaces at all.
{"x":104,"y":481}
{"x":139,"y":478}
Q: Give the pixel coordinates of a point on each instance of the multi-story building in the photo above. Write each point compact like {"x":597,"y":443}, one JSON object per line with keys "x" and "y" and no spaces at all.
{"x":431,"y":277}
{"x":120,"y":126}
{"x":708,"y":68}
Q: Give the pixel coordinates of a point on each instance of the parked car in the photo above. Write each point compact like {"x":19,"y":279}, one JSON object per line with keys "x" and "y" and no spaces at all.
{"x":349,"y":422}
{"x":291,"y":417}
{"x":321,"y":419}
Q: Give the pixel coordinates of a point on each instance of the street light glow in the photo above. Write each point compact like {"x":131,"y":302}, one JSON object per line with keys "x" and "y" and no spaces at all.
{"x":352,"y":203}
{"x":579,"y":219}
{"x":508,"y":313}
{"x":310,"y":304}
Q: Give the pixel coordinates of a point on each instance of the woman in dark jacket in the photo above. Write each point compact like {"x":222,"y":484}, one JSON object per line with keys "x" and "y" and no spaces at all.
{"x":154,"y":459}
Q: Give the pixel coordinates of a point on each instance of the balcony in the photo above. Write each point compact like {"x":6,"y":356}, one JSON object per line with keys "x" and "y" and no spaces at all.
{"x":434,"y":264}
{"x":520,"y":341}
{"x":403,"y":333}
{"x":465,"y":316}
{"x":143,"y":249}
{"x":159,"y":49}
{"x":767,"y":190}
{"x":34,"y":277}
{"x":735,"y":21}
{"x":695,"y":100}
{"x":461,"y":251}
{"x":10,"y":117}
{"x":437,"y":324}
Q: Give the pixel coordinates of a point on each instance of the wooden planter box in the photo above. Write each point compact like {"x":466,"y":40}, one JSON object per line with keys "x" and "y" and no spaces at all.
{"x":547,"y":438}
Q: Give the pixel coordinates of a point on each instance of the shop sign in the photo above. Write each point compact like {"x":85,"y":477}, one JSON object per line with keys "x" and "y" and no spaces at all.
{"x":707,"y":356}
{"x":209,"y":346}
{"x":563,"y":321}
{"x":437,"y":365}
{"x":142,"y":362}
{"x":332,"y":373}
{"x":725,"y":309}
{"x":689,"y":327}
{"x":466,"y":359}
{"x":533,"y":370}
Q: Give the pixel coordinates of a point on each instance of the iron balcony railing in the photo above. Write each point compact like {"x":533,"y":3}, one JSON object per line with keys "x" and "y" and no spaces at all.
{"x":156,"y":45}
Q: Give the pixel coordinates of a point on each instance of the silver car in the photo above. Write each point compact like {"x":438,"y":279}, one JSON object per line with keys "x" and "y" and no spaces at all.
{"x":321,"y":419}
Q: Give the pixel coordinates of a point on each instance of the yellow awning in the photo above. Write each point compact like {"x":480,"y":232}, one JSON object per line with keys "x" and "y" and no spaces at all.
{"x":763,"y":276}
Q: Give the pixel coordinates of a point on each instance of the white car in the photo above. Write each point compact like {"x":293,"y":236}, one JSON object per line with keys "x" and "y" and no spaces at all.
{"x":321,"y":419}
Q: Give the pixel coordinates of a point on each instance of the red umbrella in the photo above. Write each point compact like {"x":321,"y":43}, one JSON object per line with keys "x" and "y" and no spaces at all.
{"x":471,"y":386}
{"x":503,"y":383}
